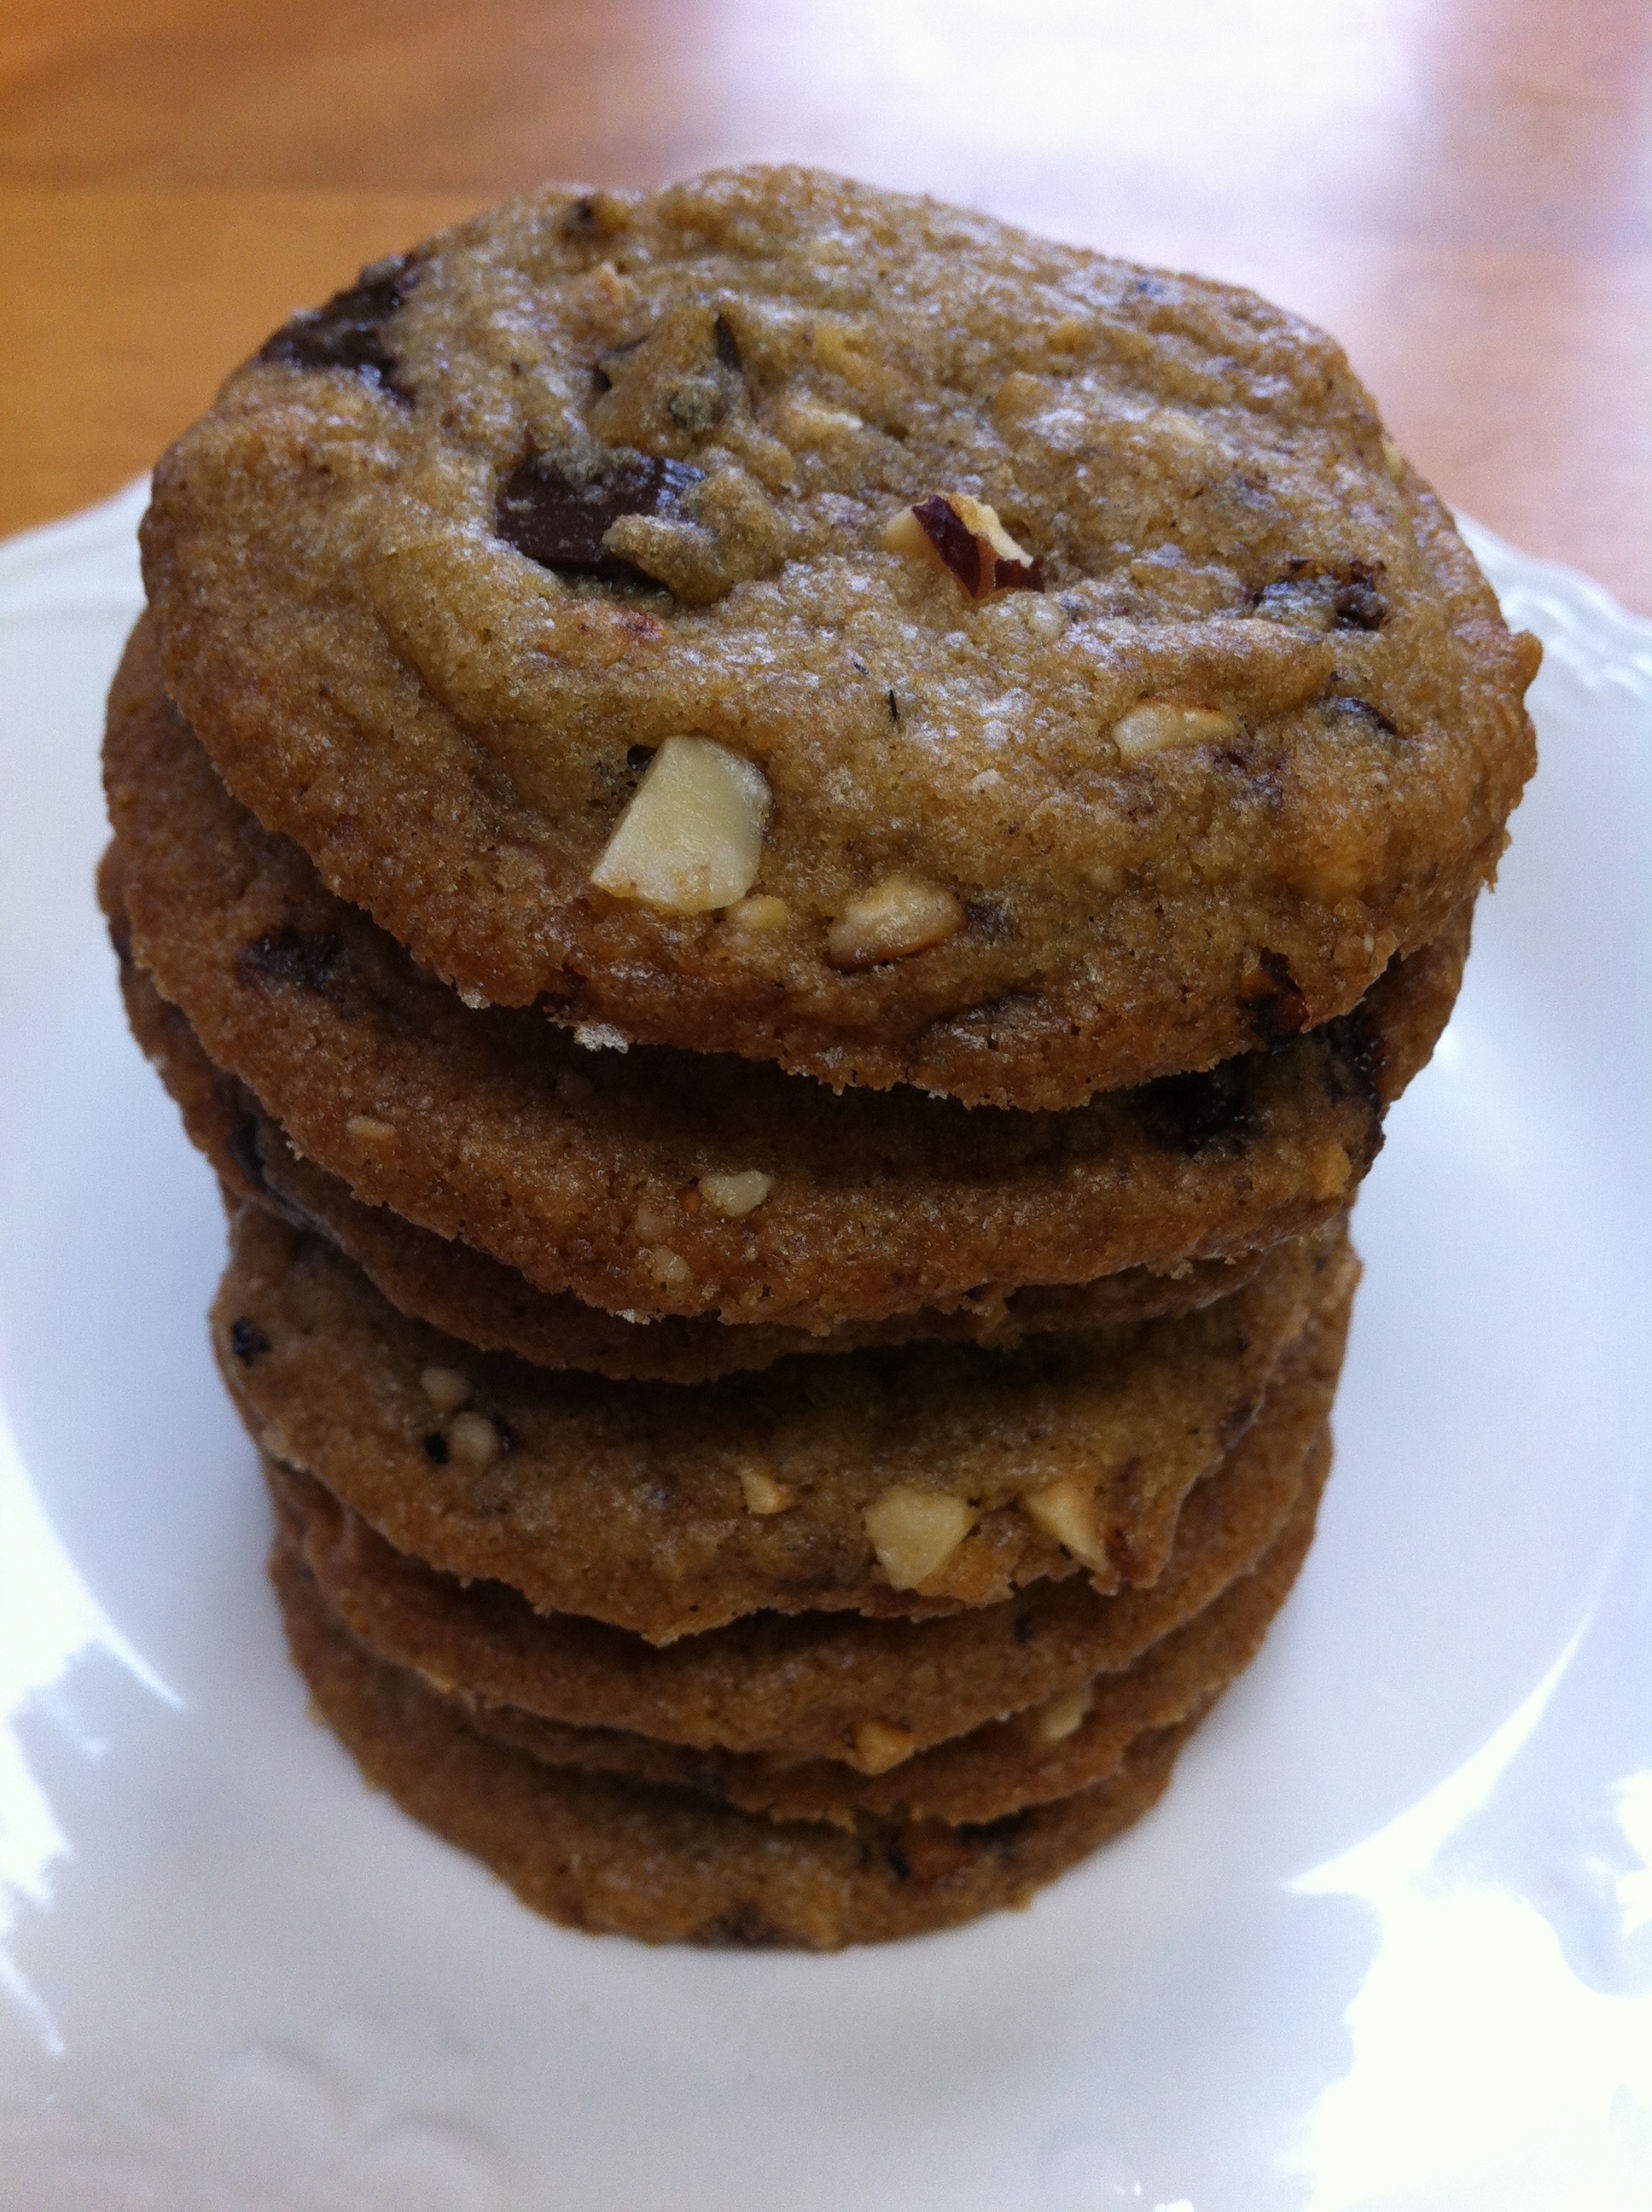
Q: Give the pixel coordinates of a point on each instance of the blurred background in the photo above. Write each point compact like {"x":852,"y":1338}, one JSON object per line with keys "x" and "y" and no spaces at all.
{"x":1459,"y":189}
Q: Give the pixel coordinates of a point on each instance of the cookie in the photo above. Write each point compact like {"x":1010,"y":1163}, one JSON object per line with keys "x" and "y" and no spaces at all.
{"x":778,"y":617}
{"x":804,"y":1685}
{"x":627,"y":1858}
{"x":590,"y":1171}
{"x":1076,"y":1739}
{"x":903,"y":1482}
{"x":462,"y":1292}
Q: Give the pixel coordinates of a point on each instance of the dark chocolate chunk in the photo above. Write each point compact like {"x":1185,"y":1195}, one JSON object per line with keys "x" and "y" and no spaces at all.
{"x":1005,"y":1834}
{"x":1348,"y":599}
{"x":350,"y":330}
{"x":743,"y":1927}
{"x":989,"y":919}
{"x":244,"y":1149}
{"x":1234,"y":1424}
{"x":1192,"y":1113}
{"x":1279,"y":1010}
{"x":247,"y":1341}
{"x":1357,"y":603}
{"x":435,"y":1448}
{"x":557,"y":513}
{"x":1356,"y":1068}
{"x":288,"y":958}
{"x":728,"y":346}
{"x":1360,"y":710}
{"x":894,"y":705}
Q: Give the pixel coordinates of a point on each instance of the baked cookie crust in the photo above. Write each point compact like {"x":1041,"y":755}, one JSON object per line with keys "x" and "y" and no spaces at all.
{"x":587,"y":1170}
{"x":451,"y":561}
{"x":668,"y":1510}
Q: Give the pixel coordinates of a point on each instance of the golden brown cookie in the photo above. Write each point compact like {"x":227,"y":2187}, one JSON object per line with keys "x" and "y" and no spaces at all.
{"x":1073,"y":1741}
{"x":606,"y":1173}
{"x":905,"y":1482}
{"x":806,"y":1683}
{"x":462,"y":1292}
{"x":779,"y":616}
{"x":628,"y":1858}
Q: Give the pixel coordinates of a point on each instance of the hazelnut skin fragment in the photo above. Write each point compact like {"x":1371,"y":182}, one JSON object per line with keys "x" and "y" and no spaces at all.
{"x":966,"y":537}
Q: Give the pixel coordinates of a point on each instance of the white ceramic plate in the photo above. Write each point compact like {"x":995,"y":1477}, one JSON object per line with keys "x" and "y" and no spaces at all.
{"x":1387,"y":1942}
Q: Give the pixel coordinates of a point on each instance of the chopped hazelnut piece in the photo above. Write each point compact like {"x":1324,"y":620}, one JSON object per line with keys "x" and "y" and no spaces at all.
{"x":1155,"y":727}
{"x":1181,"y":428}
{"x":879,"y":1745}
{"x":764,"y":1495}
{"x":618,"y":294}
{"x":736,"y":1195}
{"x":650,"y":1223}
{"x":367,"y":1129}
{"x":758,"y":912}
{"x":473,"y":1439}
{"x":1061,"y":1715}
{"x":966,"y":537}
{"x":669,"y":1270}
{"x":445,"y":1388}
{"x":1332,"y":1168}
{"x":807,"y":423}
{"x":899,"y":916}
{"x":915,"y":1532}
{"x":1020,"y":394}
{"x":1045,"y":618}
{"x":839,"y":349}
{"x":904,"y":533}
{"x":1392,"y":459}
{"x":1066,"y":1511}
{"x":692,"y":837}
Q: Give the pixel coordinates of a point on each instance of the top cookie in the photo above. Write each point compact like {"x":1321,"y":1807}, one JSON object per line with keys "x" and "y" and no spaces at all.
{"x":779,"y":617}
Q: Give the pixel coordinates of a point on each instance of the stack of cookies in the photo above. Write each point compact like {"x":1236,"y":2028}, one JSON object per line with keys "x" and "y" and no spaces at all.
{"x":784,"y":847}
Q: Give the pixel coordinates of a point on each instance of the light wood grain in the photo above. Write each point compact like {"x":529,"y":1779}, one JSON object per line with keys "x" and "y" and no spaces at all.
{"x":1459,"y":190}
{"x":128,"y":308}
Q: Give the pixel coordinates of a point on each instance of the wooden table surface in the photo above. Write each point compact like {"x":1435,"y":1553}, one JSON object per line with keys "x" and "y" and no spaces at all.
{"x":1458,"y":188}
